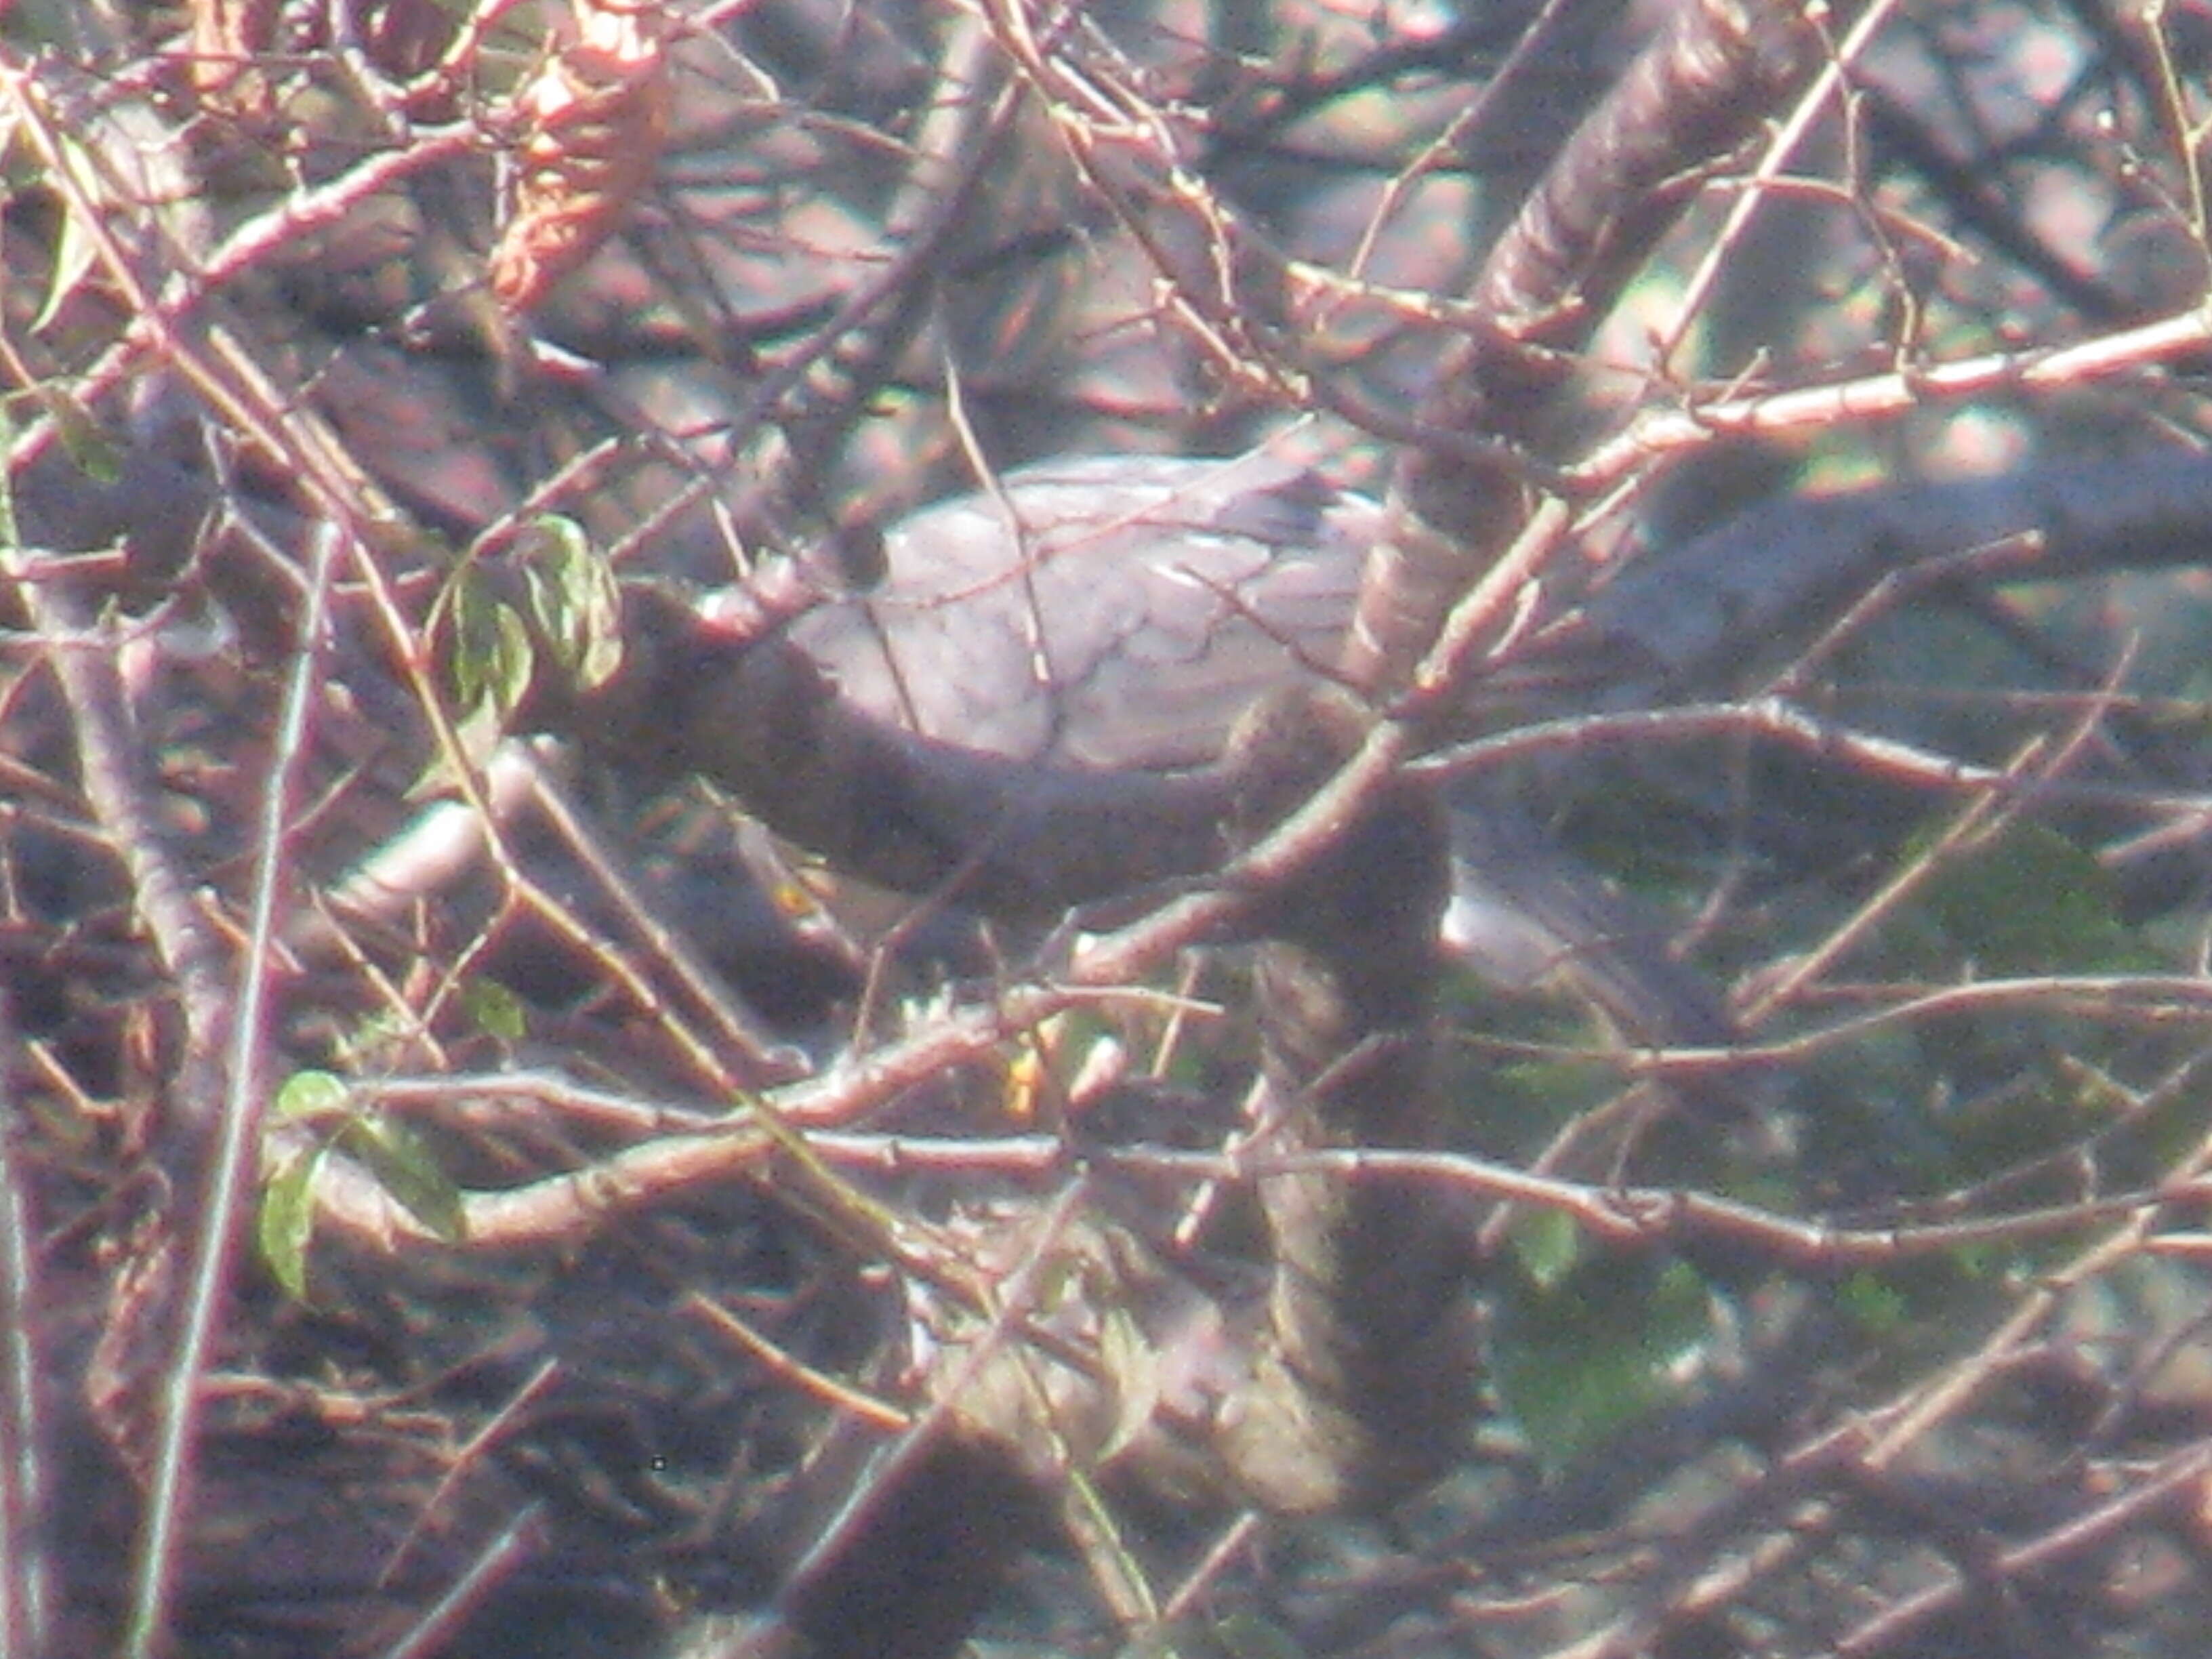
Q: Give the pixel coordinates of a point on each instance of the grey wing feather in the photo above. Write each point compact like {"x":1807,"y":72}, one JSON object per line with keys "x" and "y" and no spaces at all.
{"x":1521,"y":914}
{"x":1138,"y":608}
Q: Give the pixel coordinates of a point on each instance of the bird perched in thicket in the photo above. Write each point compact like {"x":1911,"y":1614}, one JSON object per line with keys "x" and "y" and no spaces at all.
{"x":1118,"y":615}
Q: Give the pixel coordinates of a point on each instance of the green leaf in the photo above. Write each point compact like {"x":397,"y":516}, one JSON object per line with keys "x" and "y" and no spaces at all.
{"x":496,"y":1009}
{"x":1578,"y":1365}
{"x":1548,"y":1243}
{"x":488,"y":661}
{"x":90,"y":447}
{"x":404,"y":1168}
{"x":2034,"y":904}
{"x":492,"y":660}
{"x":574,"y":600}
{"x":1880,"y":1308}
{"x":490,"y":669}
{"x":77,"y":251}
{"x":287,"y":1221}
{"x":311,"y":1094}
{"x":1126,"y":1357}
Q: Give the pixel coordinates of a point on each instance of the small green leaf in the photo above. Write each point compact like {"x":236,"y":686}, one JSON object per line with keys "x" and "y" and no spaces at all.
{"x":1579,"y":1365}
{"x":287,"y":1221}
{"x":491,"y":649}
{"x":485,"y":648}
{"x":1126,"y":1357}
{"x":311,"y":1094}
{"x":77,"y":251}
{"x":2034,"y":903}
{"x":574,"y":600}
{"x":404,"y":1168}
{"x":1879,"y":1308}
{"x":94,"y":451}
{"x":1548,"y":1245}
{"x":496,"y":1009}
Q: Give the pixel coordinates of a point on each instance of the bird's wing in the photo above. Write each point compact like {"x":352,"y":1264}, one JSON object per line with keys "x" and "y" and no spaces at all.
{"x":1100,"y":613}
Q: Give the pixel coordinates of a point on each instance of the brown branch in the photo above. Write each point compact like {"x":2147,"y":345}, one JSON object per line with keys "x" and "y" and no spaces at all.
{"x":1699,"y":88}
